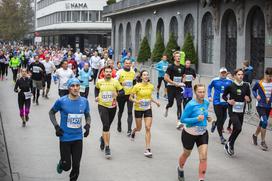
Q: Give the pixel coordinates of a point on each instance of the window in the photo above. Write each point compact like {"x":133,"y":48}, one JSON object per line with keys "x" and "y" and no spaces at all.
{"x":76,"y":16}
{"x":69,"y":13}
{"x":207,"y":38}
{"x":84,"y":15}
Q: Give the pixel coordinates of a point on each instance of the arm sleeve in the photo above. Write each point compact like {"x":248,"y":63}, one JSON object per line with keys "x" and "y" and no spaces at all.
{"x":52,"y":117}
{"x":226,"y":93}
{"x":185,"y":116}
{"x":87,"y":118}
{"x":96,"y":92}
{"x":210,"y":89}
{"x":16,"y":86}
{"x":254,"y":89}
{"x":248,"y":93}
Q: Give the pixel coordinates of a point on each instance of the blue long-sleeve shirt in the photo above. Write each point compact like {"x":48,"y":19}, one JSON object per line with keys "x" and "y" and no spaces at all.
{"x":260,"y":89}
{"x":219,"y":85}
{"x":161,"y":67}
{"x":85,"y":76}
{"x":191,"y":112}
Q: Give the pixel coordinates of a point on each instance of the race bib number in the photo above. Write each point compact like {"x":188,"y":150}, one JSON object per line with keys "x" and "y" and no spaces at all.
{"x":74,"y":121}
{"x":238,"y":107}
{"x":145,"y":104}
{"x":28,"y":95}
{"x":107,"y":96}
{"x":164,"y":68}
{"x":189,"y":78}
{"x":221,"y":98}
{"x":177,"y":79}
{"x":128,"y":83}
{"x":82,"y":88}
{"x":36,"y":69}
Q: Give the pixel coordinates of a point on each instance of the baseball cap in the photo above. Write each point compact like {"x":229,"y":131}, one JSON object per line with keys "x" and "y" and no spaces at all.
{"x":223,"y":69}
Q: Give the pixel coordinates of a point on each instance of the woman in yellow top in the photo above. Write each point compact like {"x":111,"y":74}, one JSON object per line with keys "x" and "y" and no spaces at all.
{"x":106,"y":91}
{"x":142,"y":98}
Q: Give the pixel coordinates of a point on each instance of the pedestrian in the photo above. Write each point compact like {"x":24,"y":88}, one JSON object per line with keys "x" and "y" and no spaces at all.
{"x":14,"y":64}
{"x":189,"y":76}
{"x":161,"y":67}
{"x":237,"y":94}
{"x":96,"y":64}
{"x":142,"y":98}
{"x":85,"y":76}
{"x":24,"y":95}
{"x":262,"y":91}
{"x":195,"y":118}
{"x":49,"y":69}
{"x":72,"y":108}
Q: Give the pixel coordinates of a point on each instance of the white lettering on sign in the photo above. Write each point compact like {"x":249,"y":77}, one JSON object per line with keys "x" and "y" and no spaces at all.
{"x":76,"y":5}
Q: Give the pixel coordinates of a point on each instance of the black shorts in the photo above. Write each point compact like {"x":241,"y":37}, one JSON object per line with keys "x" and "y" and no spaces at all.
{"x":189,"y":140}
{"x":160,"y":79}
{"x":145,"y":114}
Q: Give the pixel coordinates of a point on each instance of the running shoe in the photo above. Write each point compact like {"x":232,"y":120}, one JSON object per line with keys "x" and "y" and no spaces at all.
{"x":107,"y":152}
{"x":148,"y":153}
{"x":129,"y":133}
{"x":180,"y":175}
{"x":165,"y":97}
{"x":26,"y":118}
{"x":24,"y":124}
{"x":37,"y":102}
{"x":132,"y":136}
{"x":263,"y":145}
{"x":102,"y":143}
{"x":213,"y":126}
{"x":43,"y":94}
{"x":59,"y":169}
{"x":165,"y":112}
{"x":228,"y":150}
{"x":158,"y":95}
{"x":223,"y":140}
{"x":179,"y":125}
{"x":46,"y":96}
{"x":255,"y":139}
{"x":119,"y":128}
{"x":33,"y":101}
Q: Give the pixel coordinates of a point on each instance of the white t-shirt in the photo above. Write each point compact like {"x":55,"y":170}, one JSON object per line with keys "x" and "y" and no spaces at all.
{"x":49,"y":67}
{"x":63,"y":76}
{"x":96,"y":62}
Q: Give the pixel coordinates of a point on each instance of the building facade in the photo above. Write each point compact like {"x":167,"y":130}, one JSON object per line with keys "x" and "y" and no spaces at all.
{"x":78,"y":24}
{"x":225,"y":32}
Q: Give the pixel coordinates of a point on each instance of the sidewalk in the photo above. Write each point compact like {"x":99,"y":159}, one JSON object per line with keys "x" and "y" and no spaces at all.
{"x":5,"y":171}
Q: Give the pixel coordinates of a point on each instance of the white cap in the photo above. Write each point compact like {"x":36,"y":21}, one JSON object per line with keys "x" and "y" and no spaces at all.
{"x":223,"y":69}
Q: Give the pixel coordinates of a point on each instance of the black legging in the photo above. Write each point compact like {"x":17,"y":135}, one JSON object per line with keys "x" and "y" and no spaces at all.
{"x":221,"y":116}
{"x":14,"y":72}
{"x":95,"y":73}
{"x":68,"y":150}
{"x":36,"y":94}
{"x":174,"y":93}
{"x":2,"y":69}
{"x":107,"y":116}
{"x":6,"y":69}
{"x":24,"y":104}
{"x":122,"y":100}
{"x":237,"y":120}
{"x":86,"y":93}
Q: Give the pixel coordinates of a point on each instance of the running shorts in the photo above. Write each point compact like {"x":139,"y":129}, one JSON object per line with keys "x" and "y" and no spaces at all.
{"x":189,"y":140}
{"x":145,"y":114}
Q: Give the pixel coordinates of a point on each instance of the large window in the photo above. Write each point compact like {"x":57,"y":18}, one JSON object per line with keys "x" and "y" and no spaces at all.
{"x":76,"y":16}
{"x":69,"y":13}
{"x":207,"y":38}
{"x":84,"y":16}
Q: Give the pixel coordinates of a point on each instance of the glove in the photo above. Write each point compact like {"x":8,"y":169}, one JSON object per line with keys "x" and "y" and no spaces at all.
{"x":87,"y":130}
{"x":59,"y":131}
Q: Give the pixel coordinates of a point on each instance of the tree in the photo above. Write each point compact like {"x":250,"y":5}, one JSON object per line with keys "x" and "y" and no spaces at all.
{"x":189,"y":49}
{"x":158,"y":48}
{"x":109,"y":2}
{"x":171,"y":46}
{"x":144,"y":52}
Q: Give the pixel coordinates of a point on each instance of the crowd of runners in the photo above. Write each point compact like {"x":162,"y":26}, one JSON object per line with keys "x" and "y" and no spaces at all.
{"x":120,"y":83}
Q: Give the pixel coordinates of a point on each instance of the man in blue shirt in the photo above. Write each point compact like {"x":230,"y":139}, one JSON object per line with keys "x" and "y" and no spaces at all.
{"x":220,"y":106}
{"x":72,"y":108}
{"x":128,"y":57}
{"x":161,"y":67}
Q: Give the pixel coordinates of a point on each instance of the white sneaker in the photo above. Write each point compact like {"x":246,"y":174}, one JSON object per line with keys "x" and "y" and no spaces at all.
{"x":148,"y":153}
{"x":179,"y":125}
{"x":165,"y":112}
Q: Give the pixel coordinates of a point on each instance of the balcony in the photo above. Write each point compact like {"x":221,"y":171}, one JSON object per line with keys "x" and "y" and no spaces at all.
{"x":130,"y":5}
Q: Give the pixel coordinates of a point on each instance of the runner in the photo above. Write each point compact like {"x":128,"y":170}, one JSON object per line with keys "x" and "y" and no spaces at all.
{"x":49,"y":69}
{"x":14,"y":64}
{"x":24,"y":95}
{"x":236,"y":94}
{"x":85,"y":76}
{"x":173,"y":77}
{"x":195,"y":117}
{"x":220,"y":106}
{"x":37,"y":72}
{"x":262,"y":91}
{"x":126,"y":77}
{"x":105,"y":94}
{"x":102,"y":73}
{"x":2,"y":65}
{"x":96,"y":64}
{"x":72,"y":107}
{"x":161,"y":67}
{"x":142,"y":97}
{"x":63,"y":74}
{"x":248,"y":77}
{"x":189,"y":76}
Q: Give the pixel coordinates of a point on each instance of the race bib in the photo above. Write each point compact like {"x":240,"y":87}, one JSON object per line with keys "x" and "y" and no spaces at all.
{"x":238,"y":107}
{"x":164,"y":68}
{"x":145,"y":104}
{"x":107,"y":96}
{"x":82,"y":88}
{"x":74,"y":121}
{"x":221,"y":98}
{"x":177,"y":79}
{"x":36,"y":69}
{"x":28,"y":95}
{"x":128,"y":83}
{"x":188,"y":78}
